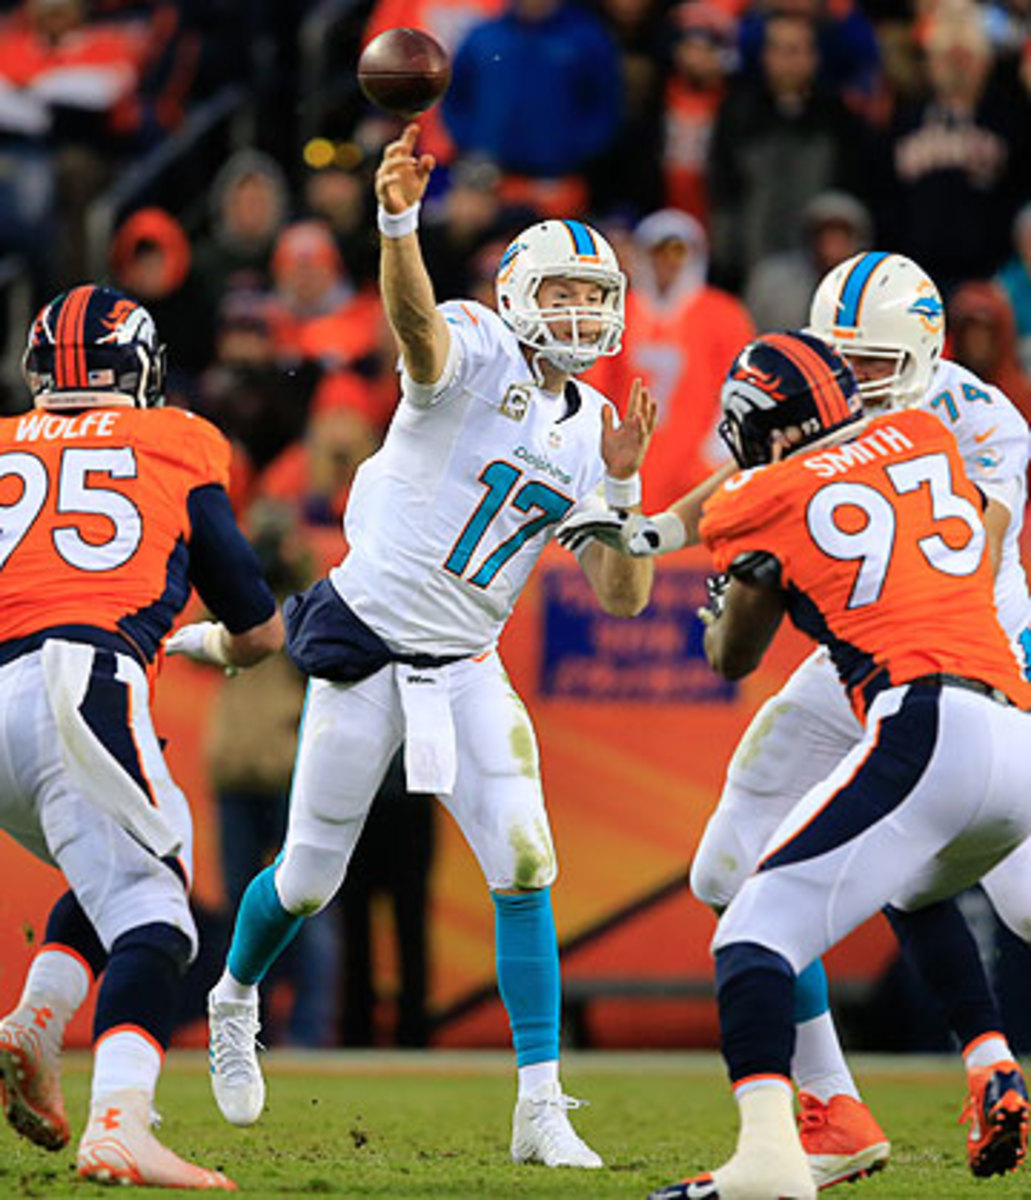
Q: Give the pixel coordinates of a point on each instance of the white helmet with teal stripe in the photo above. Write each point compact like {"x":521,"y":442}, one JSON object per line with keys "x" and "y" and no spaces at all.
{"x":882,"y":305}
{"x":562,"y":250}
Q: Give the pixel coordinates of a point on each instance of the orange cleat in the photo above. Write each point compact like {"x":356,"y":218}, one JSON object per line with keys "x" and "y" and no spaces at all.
{"x":118,"y":1147}
{"x":997,"y":1111}
{"x":841,"y":1138}
{"x":30,"y":1076}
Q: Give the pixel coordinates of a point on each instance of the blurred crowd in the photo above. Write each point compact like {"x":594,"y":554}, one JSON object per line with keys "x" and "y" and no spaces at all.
{"x":732,"y":150}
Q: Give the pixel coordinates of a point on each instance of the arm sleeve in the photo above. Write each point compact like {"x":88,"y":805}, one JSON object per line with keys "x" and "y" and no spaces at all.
{"x":223,"y":566}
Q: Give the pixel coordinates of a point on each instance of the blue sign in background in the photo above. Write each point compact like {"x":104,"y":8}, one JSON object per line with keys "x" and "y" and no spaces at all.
{"x":655,"y":657}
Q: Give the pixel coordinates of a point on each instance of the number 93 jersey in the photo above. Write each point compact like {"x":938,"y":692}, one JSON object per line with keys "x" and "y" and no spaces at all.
{"x":446,"y":521}
{"x":882,"y":552}
{"x":95,"y":520}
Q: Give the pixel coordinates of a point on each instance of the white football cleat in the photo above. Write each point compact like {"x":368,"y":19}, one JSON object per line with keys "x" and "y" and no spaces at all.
{"x":118,"y":1147}
{"x":30,"y":1075}
{"x":541,"y":1132}
{"x":236,"y":1077}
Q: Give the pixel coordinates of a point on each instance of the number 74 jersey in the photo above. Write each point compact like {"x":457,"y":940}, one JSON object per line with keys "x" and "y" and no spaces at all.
{"x":882,"y":551}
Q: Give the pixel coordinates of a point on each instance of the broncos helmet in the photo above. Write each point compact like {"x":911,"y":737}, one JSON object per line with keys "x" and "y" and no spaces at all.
{"x":561,"y":250}
{"x":882,"y":305}
{"x":780,"y":381}
{"x":93,"y":347}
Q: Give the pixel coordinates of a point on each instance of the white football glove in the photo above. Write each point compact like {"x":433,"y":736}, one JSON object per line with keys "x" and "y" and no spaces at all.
{"x":203,"y":642}
{"x":629,"y":533}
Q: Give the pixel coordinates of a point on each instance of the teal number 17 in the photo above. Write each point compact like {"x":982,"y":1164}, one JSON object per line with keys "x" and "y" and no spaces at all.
{"x":500,"y":479}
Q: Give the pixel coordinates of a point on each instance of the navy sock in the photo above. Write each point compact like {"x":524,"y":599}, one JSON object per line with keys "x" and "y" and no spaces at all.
{"x":755,"y":988}
{"x":143,"y":981}
{"x":69,"y":926}
{"x":526,"y":950}
{"x":937,"y":941}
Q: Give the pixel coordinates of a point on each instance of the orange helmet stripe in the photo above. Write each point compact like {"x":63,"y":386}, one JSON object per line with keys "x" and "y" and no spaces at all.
{"x":831,"y":401}
{"x":70,"y":359}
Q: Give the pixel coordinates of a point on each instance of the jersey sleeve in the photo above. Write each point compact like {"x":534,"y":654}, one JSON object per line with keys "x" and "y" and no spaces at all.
{"x":193,"y":445}
{"x":740,"y":516}
{"x":473,"y":345}
{"x":996,"y":452}
{"x":223,"y":566}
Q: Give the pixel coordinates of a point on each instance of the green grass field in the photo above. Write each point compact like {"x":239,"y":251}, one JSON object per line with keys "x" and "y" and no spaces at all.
{"x":437,"y":1124}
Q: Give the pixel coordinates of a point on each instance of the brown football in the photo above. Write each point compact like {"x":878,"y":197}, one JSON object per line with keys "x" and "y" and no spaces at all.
{"x":404,"y":71}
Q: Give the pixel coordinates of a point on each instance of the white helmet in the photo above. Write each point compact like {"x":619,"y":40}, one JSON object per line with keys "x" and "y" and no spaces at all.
{"x":561,"y":250}
{"x":883,"y":306}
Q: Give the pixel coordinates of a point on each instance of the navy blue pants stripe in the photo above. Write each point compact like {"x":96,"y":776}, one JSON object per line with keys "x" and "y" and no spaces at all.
{"x":105,"y":709}
{"x":893,"y":768}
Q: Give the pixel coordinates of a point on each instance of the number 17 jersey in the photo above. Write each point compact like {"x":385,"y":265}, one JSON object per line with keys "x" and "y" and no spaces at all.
{"x":882,"y":552}
{"x":446,"y":521}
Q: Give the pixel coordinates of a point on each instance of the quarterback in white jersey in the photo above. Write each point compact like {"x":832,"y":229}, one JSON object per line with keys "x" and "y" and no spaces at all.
{"x":884,"y":314}
{"x":492,"y":446}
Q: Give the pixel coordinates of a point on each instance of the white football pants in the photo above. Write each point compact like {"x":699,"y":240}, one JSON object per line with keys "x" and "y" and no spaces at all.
{"x":792,"y":744}
{"x":921,"y":808}
{"x":349,"y":734}
{"x":119,"y":884}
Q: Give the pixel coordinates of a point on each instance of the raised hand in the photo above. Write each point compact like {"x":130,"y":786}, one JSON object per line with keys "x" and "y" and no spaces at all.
{"x":623,"y":447}
{"x":403,"y":175}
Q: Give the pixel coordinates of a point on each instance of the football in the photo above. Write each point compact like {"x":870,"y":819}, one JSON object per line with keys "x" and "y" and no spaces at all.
{"x":404,"y":71}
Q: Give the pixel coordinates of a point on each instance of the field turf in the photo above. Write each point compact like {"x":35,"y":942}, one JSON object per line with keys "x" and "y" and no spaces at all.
{"x":436,"y":1125}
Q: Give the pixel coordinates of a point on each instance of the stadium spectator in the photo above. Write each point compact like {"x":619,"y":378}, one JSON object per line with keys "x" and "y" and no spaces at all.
{"x":846,"y":42}
{"x":779,"y":288}
{"x":339,"y":196}
{"x":461,"y":222}
{"x":317,"y":314}
{"x":703,"y":57}
{"x":250,"y":754}
{"x":779,"y":140}
{"x":543,"y":137}
{"x":248,"y":205}
{"x":629,"y":171}
{"x":960,"y":158}
{"x":681,"y":335}
{"x":86,"y":787}
{"x":260,"y":406}
{"x":314,"y":475}
{"x":1015,"y":279}
{"x":983,"y":337}
{"x":151,"y":259}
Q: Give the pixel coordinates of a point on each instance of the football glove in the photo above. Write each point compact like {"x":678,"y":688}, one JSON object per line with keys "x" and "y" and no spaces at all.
{"x":716,"y":589}
{"x":629,"y":533}
{"x":202,"y":642}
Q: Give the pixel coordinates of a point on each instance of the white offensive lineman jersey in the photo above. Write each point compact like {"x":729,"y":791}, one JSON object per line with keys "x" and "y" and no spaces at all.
{"x":994,"y":441}
{"x":446,"y":521}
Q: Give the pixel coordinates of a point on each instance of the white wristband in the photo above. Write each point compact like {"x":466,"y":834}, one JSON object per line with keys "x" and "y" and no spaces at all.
{"x":623,"y":493}
{"x":398,"y":225}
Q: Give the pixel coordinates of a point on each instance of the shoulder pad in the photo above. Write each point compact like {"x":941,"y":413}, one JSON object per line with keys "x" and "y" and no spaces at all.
{"x":756,"y":566}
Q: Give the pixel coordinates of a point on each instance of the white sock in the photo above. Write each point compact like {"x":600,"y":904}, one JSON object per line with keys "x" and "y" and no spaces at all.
{"x":819,"y":1066}
{"x":125,"y":1059}
{"x":56,"y":980}
{"x":533,"y":1077}
{"x":229,"y":988}
{"x":769,"y":1155}
{"x":986,"y":1051}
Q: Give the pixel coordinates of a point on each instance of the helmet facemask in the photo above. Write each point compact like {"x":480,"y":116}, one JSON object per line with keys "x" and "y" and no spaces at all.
{"x":548,"y":251}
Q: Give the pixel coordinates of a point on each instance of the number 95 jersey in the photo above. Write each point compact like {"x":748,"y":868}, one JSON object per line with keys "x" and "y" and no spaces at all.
{"x":882,"y":553}
{"x":446,"y":521}
{"x":96,"y":518}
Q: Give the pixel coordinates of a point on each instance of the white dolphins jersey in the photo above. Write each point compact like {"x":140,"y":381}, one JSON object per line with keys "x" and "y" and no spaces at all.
{"x":993,"y":439}
{"x":446,"y":521}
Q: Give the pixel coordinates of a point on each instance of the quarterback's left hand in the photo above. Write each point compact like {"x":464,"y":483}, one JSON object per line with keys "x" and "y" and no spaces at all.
{"x":605,"y":525}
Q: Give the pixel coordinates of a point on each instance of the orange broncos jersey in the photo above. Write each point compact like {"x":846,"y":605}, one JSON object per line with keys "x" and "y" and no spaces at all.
{"x":94,"y":519}
{"x":882,"y":552}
